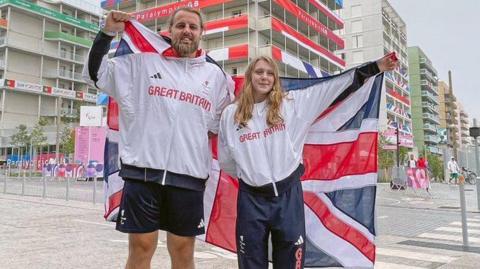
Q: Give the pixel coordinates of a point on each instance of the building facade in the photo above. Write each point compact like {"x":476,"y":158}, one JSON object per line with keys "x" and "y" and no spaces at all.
{"x":43,"y":45}
{"x":425,"y":103}
{"x":372,"y":29}
{"x":464,"y":126}
{"x":301,"y":36}
{"x":451,"y":116}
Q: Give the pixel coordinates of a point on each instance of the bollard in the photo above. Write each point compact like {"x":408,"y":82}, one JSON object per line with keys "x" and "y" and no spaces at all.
{"x":95,"y":189}
{"x":5,"y":182}
{"x":23,"y":182}
{"x":67,"y":195}
{"x":44,"y":191}
{"x":464,"y":213}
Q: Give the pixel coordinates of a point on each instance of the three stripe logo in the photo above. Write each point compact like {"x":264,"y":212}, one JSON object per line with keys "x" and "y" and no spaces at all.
{"x":157,"y":76}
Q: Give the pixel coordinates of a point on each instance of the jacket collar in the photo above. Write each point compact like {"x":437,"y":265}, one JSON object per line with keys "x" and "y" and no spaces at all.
{"x":172,"y":54}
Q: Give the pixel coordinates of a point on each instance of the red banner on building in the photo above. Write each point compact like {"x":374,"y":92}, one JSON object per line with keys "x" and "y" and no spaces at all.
{"x":167,"y":10}
{"x":311,"y":21}
{"x":279,"y":26}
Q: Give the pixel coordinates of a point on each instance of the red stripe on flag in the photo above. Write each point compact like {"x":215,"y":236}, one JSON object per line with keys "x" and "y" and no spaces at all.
{"x":138,"y":39}
{"x":221,"y":227}
{"x":338,"y":227}
{"x":333,"y":161}
{"x":276,"y":53}
{"x":114,"y":202}
{"x":238,"y":52}
{"x":238,"y":84}
{"x":112,"y":115}
{"x":213,"y":142}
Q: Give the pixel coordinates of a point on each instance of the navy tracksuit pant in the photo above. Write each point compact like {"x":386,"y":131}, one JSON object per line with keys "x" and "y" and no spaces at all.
{"x":261,"y":214}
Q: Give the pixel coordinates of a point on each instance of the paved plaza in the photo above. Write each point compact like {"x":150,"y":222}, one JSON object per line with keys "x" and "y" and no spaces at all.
{"x":415,"y":230}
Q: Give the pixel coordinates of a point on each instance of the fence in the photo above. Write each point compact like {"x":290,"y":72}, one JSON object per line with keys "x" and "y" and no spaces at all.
{"x":53,"y":183}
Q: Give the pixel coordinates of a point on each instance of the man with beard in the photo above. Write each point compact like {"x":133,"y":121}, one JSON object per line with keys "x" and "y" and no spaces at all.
{"x":170,"y":102}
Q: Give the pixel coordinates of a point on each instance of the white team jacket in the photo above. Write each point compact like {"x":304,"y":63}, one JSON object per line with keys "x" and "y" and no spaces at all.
{"x":167,"y":106}
{"x":259,"y":154}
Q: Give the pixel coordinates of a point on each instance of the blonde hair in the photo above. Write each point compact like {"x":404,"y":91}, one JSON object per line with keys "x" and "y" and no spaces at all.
{"x":246,"y":100}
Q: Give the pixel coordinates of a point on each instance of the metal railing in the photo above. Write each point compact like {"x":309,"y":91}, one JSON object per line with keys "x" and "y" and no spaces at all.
{"x":17,"y":179}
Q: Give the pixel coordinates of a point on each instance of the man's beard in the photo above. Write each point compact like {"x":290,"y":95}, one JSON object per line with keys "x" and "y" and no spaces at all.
{"x":185,"y":50}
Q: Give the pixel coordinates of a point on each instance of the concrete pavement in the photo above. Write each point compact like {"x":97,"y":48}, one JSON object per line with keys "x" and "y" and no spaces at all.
{"x":415,"y":231}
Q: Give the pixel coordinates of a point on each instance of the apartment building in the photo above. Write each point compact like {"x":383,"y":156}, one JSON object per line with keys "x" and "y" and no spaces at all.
{"x":464,"y":126}
{"x":43,"y":45}
{"x":301,"y":36}
{"x":424,"y":97}
{"x":451,"y":116}
{"x":372,"y":29}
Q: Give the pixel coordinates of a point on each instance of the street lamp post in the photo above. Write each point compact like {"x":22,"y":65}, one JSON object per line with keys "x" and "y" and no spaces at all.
{"x":475,"y":132}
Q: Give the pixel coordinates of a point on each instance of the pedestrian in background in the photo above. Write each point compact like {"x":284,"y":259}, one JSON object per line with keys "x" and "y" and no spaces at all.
{"x":453,"y":169}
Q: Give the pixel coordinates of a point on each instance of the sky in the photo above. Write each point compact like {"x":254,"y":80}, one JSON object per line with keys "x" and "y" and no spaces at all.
{"x":449,"y":34}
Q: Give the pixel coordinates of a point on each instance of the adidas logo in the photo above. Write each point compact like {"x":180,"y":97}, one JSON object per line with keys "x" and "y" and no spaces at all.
{"x":201,"y":224}
{"x":157,"y":76}
{"x":299,"y":241}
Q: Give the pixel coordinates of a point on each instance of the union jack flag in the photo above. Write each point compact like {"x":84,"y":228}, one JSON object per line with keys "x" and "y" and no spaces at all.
{"x":340,"y":158}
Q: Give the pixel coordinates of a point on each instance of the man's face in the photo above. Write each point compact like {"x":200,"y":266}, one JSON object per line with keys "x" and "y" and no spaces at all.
{"x":186,"y":33}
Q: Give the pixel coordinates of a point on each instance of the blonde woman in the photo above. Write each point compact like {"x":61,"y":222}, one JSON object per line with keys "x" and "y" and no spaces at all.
{"x":261,"y":140}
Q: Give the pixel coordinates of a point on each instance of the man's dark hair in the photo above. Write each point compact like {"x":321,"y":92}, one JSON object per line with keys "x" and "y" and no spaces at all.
{"x":186,"y":9}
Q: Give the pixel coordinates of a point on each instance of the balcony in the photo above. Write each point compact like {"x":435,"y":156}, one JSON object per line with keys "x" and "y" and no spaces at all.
{"x":430,"y":127}
{"x":429,"y":86}
{"x":64,"y":74}
{"x":428,"y":106}
{"x":428,"y":95}
{"x":434,"y":139}
{"x":71,"y":56}
{"x":75,"y":40}
{"x":431,"y":117}
{"x":2,"y":64}
{"x":69,"y":113}
{"x":427,"y":63}
{"x":427,"y":74}
{"x":435,"y":150}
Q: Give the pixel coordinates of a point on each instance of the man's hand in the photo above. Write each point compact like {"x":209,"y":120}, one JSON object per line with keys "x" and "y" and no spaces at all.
{"x":115,"y":21}
{"x":387,"y":63}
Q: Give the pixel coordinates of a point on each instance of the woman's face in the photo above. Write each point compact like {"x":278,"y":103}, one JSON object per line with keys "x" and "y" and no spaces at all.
{"x":262,"y":80}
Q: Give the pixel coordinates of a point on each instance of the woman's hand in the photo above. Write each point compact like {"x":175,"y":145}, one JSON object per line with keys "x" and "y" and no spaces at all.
{"x":388,"y":62}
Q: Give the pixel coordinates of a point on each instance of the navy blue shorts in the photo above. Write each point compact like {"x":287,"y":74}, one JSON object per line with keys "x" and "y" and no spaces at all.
{"x":148,"y":207}
{"x":282,"y":217}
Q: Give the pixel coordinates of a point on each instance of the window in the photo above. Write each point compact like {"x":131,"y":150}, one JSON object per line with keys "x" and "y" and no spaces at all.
{"x":234,"y":71}
{"x":357,"y":57}
{"x":356,"y":10}
{"x":236,"y":13}
{"x":357,"y":26}
{"x":357,"y":41}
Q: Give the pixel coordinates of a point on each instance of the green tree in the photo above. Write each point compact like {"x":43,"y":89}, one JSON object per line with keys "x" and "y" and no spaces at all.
{"x":67,"y":140}
{"x":385,"y":157}
{"x":38,"y":137}
{"x":435,"y":164}
{"x":20,"y":138}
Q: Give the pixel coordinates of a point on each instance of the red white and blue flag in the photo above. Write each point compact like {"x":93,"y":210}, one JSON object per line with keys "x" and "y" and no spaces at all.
{"x":340,"y":158}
